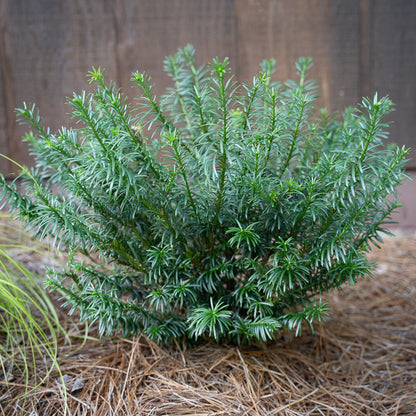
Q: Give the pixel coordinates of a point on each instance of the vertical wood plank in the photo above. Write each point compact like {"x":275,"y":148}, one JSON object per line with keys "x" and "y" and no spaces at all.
{"x":149,"y":30}
{"x":393,"y":65}
{"x":343,"y":38}
{"x":53,"y":46}
{"x":7,"y":122}
{"x":366,"y":20}
{"x":35,"y":35}
{"x":4,"y":145}
{"x":326,"y":30}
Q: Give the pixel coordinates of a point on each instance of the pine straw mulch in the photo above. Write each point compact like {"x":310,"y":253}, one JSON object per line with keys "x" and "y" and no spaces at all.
{"x":363,"y":362}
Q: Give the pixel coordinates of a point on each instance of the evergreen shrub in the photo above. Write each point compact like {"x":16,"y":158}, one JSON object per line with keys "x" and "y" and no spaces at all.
{"x":220,"y":211}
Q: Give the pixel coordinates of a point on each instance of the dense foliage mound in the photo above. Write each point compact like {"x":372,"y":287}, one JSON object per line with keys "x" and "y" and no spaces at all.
{"x":220,"y":211}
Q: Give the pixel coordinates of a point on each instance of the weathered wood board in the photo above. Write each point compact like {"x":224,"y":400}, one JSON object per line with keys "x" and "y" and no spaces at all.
{"x":358,"y":46}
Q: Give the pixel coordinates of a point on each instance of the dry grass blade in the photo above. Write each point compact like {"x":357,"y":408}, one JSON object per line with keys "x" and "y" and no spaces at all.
{"x":363,"y":362}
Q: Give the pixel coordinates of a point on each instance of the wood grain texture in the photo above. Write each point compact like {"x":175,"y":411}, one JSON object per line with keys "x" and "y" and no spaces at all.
{"x":147,"y":31}
{"x":7,"y":119}
{"x":4,"y":146}
{"x":392,"y":68}
{"x":53,"y":45}
{"x":358,"y":46}
{"x":326,"y":30}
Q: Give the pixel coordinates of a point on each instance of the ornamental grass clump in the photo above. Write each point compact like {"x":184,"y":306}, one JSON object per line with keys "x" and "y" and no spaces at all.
{"x":29,"y":324}
{"x":220,"y":211}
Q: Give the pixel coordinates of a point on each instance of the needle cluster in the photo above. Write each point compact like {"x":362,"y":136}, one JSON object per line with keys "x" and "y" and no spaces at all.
{"x":220,"y":211}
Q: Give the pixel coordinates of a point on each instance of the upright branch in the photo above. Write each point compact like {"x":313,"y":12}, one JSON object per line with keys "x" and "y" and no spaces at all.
{"x":220,"y":70}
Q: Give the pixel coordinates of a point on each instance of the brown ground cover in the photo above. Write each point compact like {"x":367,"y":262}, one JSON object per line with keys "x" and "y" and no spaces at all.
{"x":362,"y":362}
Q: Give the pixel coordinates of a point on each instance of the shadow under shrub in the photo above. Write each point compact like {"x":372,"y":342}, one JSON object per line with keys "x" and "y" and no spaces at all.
{"x":220,"y":211}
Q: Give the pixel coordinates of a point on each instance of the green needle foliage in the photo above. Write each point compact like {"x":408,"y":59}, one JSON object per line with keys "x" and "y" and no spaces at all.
{"x":219,"y":211}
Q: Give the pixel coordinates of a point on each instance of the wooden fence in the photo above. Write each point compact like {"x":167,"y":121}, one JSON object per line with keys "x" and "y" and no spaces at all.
{"x":358,"y":46}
